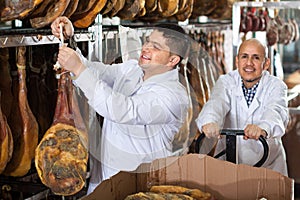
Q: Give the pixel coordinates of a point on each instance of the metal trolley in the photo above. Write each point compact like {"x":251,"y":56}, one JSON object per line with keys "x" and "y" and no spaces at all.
{"x":230,"y":149}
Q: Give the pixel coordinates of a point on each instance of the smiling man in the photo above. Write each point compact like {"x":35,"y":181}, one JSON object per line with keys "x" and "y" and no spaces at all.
{"x":250,"y":99}
{"x":142,"y":101}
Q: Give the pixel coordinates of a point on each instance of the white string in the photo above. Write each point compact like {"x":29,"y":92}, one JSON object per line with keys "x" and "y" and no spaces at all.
{"x":61,"y":36}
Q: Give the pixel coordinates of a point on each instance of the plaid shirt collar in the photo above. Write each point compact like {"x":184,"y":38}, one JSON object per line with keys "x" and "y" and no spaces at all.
{"x":249,"y":93}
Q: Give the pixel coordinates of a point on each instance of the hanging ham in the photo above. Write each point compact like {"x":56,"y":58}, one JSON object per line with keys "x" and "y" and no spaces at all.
{"x":84,"y":6}
{"x":6,"y":82}
{"x":186,"y":11}
{"x":110,"y":4}
{"x":130,"y":10}
{"x":70,"y":10}
{"x":6,"y":141}
{"x":47,"y":12}
{"x":23,"y":124}
{"x":18,"y":9}
{"x":117,"y":7}
{"x":61,"y":156}
{"x":84,"y":20}
{"x":167,"y":8}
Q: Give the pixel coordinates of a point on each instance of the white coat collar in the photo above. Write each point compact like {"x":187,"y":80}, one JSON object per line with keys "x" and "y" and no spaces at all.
{"x":240,"y":95}
{"x":171,"y":75}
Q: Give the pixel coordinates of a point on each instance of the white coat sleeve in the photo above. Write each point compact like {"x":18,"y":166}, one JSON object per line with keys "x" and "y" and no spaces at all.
{"x":157,"y":106}
{"x":217,"y":106}
{"x":275,"y":117}
{"x":100,"y":70}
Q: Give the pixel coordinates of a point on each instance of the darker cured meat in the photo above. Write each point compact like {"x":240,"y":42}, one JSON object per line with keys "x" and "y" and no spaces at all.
{"x":61,"y":156}
{"x":47,"y":12}
{"x":70,"y":10}
{"x":84,"y":20}
{"x":84,"y":6}
{"x":6,"y":82}
{"x":6,"y":141}
{"x":18,"y":9}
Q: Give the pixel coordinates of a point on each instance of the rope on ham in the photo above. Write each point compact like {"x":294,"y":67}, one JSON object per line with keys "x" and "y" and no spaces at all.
{"x":61,"y":36}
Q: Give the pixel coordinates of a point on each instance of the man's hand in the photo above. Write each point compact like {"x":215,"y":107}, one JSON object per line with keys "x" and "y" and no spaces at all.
{"x":211,"y":130}
{"x":252,"y":131}
{"x":70,"y":60}
{"x":68,"y":29}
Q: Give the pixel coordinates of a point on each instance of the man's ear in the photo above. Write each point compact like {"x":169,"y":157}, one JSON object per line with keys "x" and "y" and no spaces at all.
{"x":267,"y":64}
{"x":174,"y":59}
{"x":236,"y":62}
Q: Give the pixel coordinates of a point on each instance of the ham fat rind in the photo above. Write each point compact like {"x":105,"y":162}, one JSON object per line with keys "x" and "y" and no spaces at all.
{"x":61,"y":156}
{"x":23,"y":125}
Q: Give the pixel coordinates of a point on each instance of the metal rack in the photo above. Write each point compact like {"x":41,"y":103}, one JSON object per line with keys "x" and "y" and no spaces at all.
{"x":29,"y":37}
{"x":30,"y":186}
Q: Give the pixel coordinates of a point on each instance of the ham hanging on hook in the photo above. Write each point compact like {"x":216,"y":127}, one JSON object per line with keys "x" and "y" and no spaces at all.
{"x":62,"y":155}
{"x":23,"y":124}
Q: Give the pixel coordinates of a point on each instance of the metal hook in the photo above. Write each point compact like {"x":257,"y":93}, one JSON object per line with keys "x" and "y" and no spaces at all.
{"x":5,"y":40}
{"x":77,"y":37}
{"x":22,"y":39}
{"x":35,"y":38}
{"x":6,"y":188}
{"x":50,"y":38}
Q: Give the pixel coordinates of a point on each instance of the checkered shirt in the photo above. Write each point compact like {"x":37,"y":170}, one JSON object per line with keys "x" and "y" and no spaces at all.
{"x":249,"y":93}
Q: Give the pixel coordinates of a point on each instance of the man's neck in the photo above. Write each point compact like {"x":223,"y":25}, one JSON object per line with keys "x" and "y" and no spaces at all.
{"x":149,"y":74}
{"x":250,"y":83}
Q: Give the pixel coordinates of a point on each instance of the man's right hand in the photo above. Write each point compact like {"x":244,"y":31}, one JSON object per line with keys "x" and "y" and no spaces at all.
{"x":68,"y":29}
{"x":211,"y":130}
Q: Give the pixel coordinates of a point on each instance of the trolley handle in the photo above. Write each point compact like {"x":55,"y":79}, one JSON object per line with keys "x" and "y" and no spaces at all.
{"x":234,"y":132}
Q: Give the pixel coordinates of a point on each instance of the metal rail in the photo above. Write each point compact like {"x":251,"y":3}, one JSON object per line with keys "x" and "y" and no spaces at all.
{"x":29,"y":37}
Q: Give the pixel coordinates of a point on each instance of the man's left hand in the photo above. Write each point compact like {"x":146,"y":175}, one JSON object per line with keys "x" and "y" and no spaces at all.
{"x":253,"y":131}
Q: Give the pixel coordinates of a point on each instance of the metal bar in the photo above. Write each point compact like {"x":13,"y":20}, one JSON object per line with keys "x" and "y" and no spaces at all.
{"x":231,"y":148}
{"x":39,"y":39}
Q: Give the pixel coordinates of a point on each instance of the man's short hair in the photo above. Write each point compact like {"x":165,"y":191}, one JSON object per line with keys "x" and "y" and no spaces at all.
{"x":176,"y":38}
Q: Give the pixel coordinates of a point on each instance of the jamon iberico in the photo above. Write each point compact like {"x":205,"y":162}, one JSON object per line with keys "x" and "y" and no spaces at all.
{"x":23,"y":124}
{"x":61,"y":156}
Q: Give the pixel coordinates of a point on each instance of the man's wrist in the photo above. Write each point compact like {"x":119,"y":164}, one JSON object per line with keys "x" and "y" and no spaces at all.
{"x":79,"y":70}
{"x":72,"y":43}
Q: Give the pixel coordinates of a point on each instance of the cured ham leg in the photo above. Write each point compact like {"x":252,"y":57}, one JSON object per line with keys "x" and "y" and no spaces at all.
{"x":23,"y":125}
{"x":18,"y":9}
{"x":6,"y":141}
{"x":61,"y":156}
{"x":85,"y":19}
{"x":6,"y":82}
{"x":47,"y":12}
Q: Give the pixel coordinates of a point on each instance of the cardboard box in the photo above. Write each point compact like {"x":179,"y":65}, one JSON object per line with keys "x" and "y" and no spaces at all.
{"x":224,"y":180}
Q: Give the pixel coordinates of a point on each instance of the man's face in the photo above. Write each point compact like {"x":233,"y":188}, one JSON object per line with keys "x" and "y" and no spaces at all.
{"x":155,"y":55}
{"x":251,"y":62}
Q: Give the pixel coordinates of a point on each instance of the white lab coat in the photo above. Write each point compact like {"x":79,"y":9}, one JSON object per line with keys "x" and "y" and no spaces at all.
{"x":140,"y":117}
{"x":227,"y":107}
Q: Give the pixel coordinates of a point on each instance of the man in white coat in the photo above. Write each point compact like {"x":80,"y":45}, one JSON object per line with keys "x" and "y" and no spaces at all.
{"x":142,"y":101}
{"x":250,"y":99}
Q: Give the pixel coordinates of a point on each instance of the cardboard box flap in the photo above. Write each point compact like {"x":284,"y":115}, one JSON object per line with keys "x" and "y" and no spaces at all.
{"x":117,"y":187}
{"x":224,"y":180}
